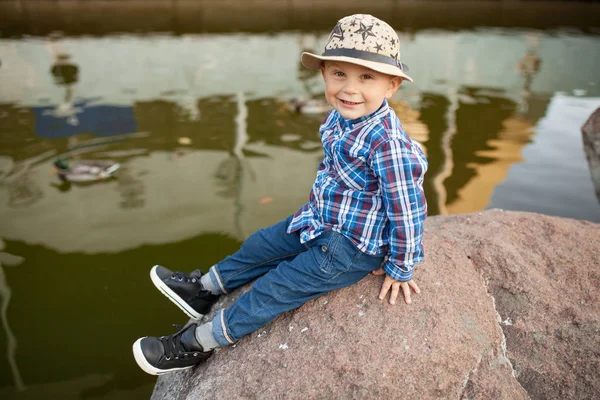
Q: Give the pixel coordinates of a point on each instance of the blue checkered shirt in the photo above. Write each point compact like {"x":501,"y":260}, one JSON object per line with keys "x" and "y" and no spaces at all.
{"x":369,"y":187}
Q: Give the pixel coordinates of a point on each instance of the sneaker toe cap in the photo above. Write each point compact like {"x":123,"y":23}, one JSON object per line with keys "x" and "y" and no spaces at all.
{"x":152,"y":349}
{"x":162,"y":272}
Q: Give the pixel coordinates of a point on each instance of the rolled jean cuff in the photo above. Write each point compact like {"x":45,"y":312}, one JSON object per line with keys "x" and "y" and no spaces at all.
{"x":219,"y":330}
{"x":217,"y":281}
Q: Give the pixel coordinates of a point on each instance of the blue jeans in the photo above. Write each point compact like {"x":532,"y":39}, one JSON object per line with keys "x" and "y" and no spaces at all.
{"x":289,"y":274}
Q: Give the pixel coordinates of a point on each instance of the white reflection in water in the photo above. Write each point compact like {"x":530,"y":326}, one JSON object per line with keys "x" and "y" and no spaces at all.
{"x":9,"y":260}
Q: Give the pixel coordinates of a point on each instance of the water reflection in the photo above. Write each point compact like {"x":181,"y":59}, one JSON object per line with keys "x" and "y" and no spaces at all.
{"x":308,"y":43}
{"x":131,"y":187}
{"x":24,"y":188}
{"x":9,"y":260}
{"x":230,"y":172}
{"x":528,"y":66}
{"x":65,"y":74}
{"x":209,"y":132}
{"x":553,"y":177}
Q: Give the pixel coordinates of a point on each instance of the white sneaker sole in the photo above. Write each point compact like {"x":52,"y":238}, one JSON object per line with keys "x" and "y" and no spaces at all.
{"x":145,"y":365}
{"x":171,"y":295}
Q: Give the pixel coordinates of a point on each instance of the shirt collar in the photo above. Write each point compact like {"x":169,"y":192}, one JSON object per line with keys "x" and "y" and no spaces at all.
{"x":362,"y":121}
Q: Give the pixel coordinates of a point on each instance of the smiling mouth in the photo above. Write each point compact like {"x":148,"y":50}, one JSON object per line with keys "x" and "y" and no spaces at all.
{"x":349,"y":103}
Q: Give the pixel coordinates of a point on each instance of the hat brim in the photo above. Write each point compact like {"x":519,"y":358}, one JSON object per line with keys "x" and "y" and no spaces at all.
{"x":314,"y":61}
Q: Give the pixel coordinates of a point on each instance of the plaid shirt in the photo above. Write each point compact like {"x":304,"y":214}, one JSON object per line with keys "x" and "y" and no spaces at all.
{"x":369,"y":187}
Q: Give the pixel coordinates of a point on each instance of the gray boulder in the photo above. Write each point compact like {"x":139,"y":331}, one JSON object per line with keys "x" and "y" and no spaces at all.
{"x":509,"y":309}
{"x":590,"y":132}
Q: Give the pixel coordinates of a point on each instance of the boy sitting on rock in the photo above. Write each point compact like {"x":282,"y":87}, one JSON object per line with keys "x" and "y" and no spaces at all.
{"x":365,"y":211}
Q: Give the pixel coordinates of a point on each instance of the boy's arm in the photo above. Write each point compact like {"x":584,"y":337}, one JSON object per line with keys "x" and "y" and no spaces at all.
{"x":400,"y":167}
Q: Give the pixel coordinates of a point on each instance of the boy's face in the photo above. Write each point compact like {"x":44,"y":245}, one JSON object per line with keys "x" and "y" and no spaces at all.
{"x":355,"y":91}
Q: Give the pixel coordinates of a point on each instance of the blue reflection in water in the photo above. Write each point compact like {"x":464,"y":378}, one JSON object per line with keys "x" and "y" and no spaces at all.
{"x":83,"y":116}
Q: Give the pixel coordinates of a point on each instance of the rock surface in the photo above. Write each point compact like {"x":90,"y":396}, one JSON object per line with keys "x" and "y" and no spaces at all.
{"x":590,"y":132}
{"x":509,"y":309}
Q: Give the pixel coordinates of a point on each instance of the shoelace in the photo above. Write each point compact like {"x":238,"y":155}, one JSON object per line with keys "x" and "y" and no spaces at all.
{"x":173,"y":346}
{"x":180,"y":276}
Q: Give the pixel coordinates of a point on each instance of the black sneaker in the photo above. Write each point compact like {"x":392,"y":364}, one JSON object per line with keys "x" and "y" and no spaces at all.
{"x":184,"y":290}
{"x":159,"y":355}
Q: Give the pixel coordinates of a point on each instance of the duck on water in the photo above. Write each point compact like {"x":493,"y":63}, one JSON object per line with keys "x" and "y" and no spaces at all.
{"x":85,"y":171}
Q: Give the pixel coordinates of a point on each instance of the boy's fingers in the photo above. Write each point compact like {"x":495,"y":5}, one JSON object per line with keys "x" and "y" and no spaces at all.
{"x":414,"y":286}
{"x":384,"y":289}
{"x":394,"y":295}
{"x":406,"y":290}
{"x":389,"y":283}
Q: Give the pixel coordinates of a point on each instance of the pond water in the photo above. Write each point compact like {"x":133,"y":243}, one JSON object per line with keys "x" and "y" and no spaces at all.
{"x":211,"y":149}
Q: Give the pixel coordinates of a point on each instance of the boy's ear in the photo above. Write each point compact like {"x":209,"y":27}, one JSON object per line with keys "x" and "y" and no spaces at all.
{"x":395,"y":83}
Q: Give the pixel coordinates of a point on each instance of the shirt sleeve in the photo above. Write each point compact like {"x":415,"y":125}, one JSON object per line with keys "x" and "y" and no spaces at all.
{"x":400,"y":167}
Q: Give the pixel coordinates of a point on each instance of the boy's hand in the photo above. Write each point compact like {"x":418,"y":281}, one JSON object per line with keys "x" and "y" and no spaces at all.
{"x":390,"y":283}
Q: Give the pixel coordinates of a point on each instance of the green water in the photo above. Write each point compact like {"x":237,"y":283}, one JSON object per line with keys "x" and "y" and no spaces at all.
{"x":210,"y":151}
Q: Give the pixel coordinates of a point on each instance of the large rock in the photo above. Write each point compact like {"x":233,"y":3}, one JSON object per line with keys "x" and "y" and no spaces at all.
{"x":509,"y":310}
{"x":590,"y":132}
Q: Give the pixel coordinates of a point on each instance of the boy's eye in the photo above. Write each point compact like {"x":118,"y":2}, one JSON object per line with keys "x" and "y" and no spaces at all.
{"x":366,"y":76}
{"x":338,"y":73}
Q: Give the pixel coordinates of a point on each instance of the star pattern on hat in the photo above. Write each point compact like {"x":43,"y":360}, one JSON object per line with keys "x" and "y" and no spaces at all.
{"x":337,"y":32}
{"x":378,"y":47}
{"x":365,"y":31}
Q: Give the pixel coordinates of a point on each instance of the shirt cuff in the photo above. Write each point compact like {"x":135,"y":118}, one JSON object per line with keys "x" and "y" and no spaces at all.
{"x":400,"y":273}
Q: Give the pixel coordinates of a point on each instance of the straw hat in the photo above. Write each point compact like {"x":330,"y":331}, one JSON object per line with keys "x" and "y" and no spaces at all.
{"x":364,"y":40}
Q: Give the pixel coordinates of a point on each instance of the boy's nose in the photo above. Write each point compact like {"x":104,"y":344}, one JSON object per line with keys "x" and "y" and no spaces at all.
{"x":350,"y":89}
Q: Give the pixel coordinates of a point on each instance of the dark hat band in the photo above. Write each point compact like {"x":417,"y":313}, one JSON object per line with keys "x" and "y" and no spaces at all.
{"x":364,"y":55}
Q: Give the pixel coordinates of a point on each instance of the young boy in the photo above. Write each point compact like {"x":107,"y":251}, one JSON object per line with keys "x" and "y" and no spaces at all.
{"x":365,"y":211}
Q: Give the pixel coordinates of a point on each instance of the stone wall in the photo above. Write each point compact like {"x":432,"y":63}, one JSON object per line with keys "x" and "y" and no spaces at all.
{"x":39,"y":17}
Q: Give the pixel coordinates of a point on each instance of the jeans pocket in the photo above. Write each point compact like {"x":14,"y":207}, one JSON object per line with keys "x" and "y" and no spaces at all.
{"x":323,"y":249}
{"x":334,"y":253}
